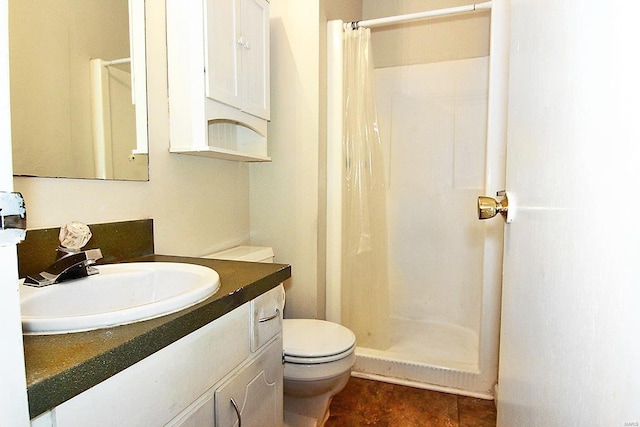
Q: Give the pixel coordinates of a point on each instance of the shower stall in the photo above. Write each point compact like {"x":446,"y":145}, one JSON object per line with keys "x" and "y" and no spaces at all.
{"x":442,"y":129}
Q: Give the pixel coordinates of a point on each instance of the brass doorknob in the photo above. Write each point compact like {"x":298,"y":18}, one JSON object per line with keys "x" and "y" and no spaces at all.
{"x":488,"y":207}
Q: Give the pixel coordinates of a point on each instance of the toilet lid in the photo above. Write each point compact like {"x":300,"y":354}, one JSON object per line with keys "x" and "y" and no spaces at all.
{"x":312,"y":338}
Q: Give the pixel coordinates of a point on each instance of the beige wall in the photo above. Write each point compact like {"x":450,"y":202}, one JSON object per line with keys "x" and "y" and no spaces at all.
{"x":421,"y":42}
{"x":287,"y":196}
{"x":199,"y":205}
{"x":347,"y":10}
{"x":284,"y":198}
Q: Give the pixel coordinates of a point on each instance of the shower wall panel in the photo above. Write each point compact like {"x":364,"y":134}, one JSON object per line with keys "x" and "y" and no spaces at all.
{"x":432,"y":119}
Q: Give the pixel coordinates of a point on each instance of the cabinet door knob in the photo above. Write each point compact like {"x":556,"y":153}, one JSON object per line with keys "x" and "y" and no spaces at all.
{"x":242,"y":42}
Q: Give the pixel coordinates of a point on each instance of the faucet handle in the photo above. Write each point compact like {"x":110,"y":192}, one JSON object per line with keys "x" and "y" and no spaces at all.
{"x":74,"y":235}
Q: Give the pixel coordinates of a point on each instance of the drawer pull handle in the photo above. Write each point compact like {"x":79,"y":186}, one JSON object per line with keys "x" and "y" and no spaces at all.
{"x":235,"y":407}
{"x":266,"y":319}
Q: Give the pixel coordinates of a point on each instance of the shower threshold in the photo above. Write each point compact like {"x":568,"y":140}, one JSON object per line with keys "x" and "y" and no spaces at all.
{"x":427,"y":355}
{"x":429,"y":343}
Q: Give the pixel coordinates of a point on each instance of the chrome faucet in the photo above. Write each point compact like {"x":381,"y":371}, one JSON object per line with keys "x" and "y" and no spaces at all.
{"x":71,"y":262}
{"x":69,"y":265}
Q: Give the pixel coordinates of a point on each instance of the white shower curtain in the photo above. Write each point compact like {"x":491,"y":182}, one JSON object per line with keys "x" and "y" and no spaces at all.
{"x":365,"y":296}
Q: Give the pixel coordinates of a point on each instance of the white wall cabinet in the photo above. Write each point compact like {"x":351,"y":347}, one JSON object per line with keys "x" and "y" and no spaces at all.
{"x":218,"y":73}
{"x":192,"y":381}
{"x":237,"y":54}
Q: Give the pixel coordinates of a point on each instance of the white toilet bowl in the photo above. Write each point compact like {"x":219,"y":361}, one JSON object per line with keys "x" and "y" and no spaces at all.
{"x":318,"y":357}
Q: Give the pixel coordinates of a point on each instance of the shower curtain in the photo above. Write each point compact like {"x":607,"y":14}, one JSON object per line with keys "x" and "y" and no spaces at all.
{"x":365,"y":299}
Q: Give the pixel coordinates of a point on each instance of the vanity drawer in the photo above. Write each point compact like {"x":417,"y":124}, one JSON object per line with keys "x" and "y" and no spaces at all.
{"x":266,"y":316}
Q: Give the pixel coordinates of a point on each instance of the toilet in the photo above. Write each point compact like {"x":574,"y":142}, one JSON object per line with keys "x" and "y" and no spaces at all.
{"x":318,"y":356}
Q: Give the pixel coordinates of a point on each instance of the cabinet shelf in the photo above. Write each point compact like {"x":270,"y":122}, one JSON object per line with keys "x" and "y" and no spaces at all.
{"x":220,"y":153}
{"x":229,"y":140}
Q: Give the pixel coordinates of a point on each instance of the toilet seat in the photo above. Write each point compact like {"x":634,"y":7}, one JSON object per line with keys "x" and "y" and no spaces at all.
{"x":312,"y":341}
{"x":318,"y":360}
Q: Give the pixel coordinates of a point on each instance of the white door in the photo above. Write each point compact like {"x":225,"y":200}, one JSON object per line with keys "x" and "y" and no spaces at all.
{"x":570,"y":341}
{"x":13,"y":392}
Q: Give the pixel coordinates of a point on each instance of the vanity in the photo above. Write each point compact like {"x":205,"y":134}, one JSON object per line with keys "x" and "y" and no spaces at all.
{"x":210,"y":364}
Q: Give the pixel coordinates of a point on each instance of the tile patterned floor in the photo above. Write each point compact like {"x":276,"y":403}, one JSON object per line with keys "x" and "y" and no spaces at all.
{"x":372,"y":403}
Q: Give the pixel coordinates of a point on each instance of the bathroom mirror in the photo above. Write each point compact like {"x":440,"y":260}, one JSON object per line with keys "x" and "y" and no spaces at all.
{"x":78,"y":89}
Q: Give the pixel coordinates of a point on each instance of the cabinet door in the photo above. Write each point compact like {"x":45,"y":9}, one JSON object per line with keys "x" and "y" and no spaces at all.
{"x":255,"y":57}
{"x":253,"y":394}
{"x":223,"y":49}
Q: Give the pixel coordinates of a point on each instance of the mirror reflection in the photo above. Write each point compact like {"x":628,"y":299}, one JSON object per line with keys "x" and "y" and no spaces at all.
{"x":78,"y":88}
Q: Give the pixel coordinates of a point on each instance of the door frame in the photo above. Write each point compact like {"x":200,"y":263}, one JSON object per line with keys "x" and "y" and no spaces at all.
{"x":14,"y":410}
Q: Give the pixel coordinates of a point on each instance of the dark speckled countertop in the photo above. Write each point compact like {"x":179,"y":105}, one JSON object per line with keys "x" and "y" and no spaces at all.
{"x":62,"y":366}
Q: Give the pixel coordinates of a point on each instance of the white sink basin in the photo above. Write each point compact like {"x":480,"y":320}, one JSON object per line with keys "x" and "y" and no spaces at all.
{"x":119,"y":294}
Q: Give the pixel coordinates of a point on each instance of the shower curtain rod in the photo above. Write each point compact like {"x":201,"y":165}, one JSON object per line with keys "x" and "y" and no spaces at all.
{"x":378,"y":22}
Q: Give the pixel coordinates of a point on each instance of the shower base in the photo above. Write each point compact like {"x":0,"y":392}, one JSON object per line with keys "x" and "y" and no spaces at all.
{"x":432,"y":356}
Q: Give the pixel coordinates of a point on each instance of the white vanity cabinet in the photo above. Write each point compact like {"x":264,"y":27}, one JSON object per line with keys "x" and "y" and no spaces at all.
{"x":218,"y":76}
{"x":251,"y":395}
{"x":192,"y":382}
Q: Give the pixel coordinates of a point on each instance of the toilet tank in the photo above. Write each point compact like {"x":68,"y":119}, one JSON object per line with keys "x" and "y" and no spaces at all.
{"x":245,"y":253}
